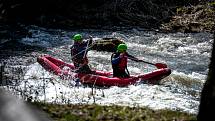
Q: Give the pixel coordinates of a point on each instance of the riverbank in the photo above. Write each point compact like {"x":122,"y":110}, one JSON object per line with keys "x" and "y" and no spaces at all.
{"x":110,"y":113}
{"x":192,"y":19}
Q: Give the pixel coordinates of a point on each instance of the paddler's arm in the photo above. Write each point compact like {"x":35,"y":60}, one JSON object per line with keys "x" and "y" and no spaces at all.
{"x":90,"y":40}
{"x":133,"y":58}
{"x":89,"y":43}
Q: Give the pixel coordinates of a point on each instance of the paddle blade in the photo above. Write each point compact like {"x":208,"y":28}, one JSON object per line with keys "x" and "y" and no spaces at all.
{"x":160,"y":65}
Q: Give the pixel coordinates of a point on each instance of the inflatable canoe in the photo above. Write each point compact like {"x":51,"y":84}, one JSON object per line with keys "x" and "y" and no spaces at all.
{"x":99,"y":78}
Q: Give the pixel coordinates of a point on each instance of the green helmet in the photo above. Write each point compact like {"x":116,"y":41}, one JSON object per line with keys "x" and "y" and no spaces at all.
{"x":77,"y":37}
{"x":122,"y":47}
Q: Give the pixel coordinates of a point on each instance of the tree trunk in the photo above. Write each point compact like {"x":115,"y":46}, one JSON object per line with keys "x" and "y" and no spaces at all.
{"x":207,"y":102}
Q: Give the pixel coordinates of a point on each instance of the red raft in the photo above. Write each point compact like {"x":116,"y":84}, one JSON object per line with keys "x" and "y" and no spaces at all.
{"x":99,"y":78}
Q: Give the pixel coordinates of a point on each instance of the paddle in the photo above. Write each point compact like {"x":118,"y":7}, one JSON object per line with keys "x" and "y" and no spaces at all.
{"x":158,"y":65}
{"x":85,"y":52}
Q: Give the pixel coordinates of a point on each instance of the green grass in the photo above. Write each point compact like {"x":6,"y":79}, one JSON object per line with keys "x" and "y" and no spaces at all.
{"x":110,"y":113}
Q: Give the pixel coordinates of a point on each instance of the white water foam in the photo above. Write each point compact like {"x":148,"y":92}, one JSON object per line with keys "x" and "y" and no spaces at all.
{"x":153,"y":96}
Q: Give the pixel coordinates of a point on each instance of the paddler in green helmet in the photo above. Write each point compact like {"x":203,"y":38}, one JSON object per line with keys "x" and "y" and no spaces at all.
{"x":79,"y":53}
{"x":119,"y":61}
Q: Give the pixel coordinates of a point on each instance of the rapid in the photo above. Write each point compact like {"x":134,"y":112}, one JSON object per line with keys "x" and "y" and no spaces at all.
{"x":187,"y":55}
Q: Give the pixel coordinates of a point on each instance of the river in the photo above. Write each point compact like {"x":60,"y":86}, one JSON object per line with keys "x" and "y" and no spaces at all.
{"x":187,"y":55}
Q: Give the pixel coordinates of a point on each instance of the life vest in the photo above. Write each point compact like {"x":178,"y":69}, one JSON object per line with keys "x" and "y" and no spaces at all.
{"x":121,"y":63}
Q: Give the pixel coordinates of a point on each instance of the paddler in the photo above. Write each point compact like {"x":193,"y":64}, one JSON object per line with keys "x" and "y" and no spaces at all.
{"x":79,"y":53}
{"x":119,"y":61}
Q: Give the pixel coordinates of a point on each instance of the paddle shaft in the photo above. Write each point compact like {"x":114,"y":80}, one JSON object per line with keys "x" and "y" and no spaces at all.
{"x":158,"y":65}
{"x":147,"y":62}
{"x":85,"y":53}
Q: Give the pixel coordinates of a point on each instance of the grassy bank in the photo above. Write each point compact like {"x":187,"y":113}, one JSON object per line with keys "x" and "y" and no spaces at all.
{"x":111,"y":113}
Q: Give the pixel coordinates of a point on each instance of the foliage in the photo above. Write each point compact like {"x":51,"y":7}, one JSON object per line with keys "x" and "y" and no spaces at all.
{"x":192,"y":19}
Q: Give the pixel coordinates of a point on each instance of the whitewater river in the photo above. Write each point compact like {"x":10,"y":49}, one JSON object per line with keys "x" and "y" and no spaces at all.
{"x":187,"y":55}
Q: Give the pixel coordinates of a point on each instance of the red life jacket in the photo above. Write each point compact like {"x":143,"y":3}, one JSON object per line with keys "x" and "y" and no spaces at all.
{"x":123,"y":63}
